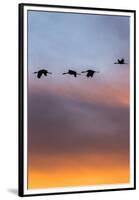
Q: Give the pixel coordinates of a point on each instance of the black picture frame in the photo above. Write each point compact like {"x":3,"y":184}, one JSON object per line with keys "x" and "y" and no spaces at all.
{"x":21,"y":97}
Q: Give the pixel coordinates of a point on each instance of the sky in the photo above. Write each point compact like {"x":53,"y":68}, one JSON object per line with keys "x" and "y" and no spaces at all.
{"x":78,"y":128}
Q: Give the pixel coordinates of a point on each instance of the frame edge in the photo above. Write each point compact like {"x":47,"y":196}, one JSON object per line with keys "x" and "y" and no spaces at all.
{"x":21,"y":95}
{"x":20,"y":101}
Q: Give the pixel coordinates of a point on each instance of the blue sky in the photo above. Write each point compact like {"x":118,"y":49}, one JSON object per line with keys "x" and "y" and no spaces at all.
{"x":58,"y":41}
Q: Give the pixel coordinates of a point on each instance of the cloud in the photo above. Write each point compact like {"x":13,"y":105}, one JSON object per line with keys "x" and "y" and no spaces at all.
{"x":106,"y":89}
{"x":59,"y":122}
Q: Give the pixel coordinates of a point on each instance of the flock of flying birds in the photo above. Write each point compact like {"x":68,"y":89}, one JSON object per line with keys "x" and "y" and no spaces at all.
{"x":89,"y":72}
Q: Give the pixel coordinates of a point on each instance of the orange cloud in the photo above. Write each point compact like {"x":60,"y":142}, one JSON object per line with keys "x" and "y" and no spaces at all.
{"x":102,"y":92}
{"x":77,"y":170}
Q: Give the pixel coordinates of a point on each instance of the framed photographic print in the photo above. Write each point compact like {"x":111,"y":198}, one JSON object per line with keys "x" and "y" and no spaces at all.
{"x":76,"y":99}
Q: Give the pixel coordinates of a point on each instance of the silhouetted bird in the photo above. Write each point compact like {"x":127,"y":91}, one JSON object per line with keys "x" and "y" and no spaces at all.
{"x":71,"y":72}
{"x":90,"y":73}
{"x":42,"y":72}
{"x":120,"y":62}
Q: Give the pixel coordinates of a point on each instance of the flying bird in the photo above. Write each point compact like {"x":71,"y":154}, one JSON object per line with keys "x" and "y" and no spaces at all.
{"x":71,"y":72}
{"x":90,"y":72}
{"x":42,"y":72}
{"x":120,"y":62}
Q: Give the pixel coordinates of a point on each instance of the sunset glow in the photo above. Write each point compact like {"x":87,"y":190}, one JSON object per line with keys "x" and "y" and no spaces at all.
{"x":78,"y":128}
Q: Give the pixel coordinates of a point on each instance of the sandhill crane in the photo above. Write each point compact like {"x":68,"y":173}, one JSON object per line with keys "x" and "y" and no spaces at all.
{"x":120,"y":62}
{"x":90,"y":73}
{"x":42,"y":72}
{"x":71,"y":72}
